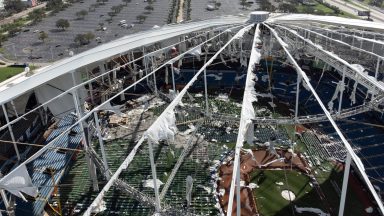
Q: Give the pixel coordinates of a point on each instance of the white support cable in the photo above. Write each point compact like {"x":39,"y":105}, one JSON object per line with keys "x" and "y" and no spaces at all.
{"x":377,"y":67}
{"x":99,"y":107}
{"x":341,"y":91}
{"x":173,"y":79}
{"x":105,"y":73}
{"x":101,"y":142}
{"x":11,"y":132}
{"x":170,"y":107}
{"x":91,"y":168}
{"x":245,"y":118}
{"x":14,"y":109}
{"x":347,"y":145}
{"x":5,"y":199}
{"x":345,"y":184}
{"x":154,"y":175}
{"x":368,"y":79}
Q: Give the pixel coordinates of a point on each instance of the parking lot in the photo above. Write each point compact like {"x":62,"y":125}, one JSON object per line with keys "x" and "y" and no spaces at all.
{"x":228,"y":7}
{"x":26,"y":47}
{"x":60,"y":43}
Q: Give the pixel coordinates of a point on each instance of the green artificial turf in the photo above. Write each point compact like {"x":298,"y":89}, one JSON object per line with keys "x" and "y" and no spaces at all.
{"x":268,"y":196}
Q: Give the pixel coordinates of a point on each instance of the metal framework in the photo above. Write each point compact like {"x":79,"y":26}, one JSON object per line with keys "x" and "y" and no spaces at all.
{"x":283,"y":29}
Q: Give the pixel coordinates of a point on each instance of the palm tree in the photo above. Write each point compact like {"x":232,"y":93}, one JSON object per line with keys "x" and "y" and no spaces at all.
{"x":149,"y":8}
{"x":126,"y":2}
{"x":141,"y":18}
{"x":43,"y":35}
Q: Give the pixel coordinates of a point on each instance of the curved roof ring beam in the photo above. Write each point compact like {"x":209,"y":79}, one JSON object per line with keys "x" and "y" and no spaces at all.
{"x":354,"y":36}
{"x":99,"y":107}
{"x":339,"y":41}
{"x":333,"y":20}
{"x":104,"y":74}
{"x":169,"y":108}
{"x":363,"y":77}
{"x":348,"y":146}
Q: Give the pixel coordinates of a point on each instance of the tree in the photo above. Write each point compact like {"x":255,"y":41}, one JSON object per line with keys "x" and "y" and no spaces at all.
{"x":3,"y":38}
{"x":83,"y":39}
{"x":111,"y":14}
{"x":54,"y":4}
{"x":89,"y":36}
{"x":13,"y":31}
{"x":126,"y":2}
{"x":217,"y":5}
{"x":265,"y":5}
{"x":36,"y":15}
{"x":244,"y":3}
{"x":149,"y":8}
{"x":79,"y":39}
{"x":43,"y":35}
{"x":102,"y":2}
{"x":116,"y":9}
{"x":14,"y":5}
{"x":81,"y":14}
{"x":287,"y":8}
{"x":141,"y":18}
{"x":101,"y":24}
{"x":62,"y":23}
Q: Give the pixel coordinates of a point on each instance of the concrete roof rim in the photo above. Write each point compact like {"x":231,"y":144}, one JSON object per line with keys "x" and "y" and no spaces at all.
{"x":113,"y":48}
{"x":362,"y":24}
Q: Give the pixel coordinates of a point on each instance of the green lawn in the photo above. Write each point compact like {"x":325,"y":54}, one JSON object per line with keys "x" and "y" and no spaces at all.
{"x":8,"y":72}
{"x":318,"y":7}
{"x":322,"y":9}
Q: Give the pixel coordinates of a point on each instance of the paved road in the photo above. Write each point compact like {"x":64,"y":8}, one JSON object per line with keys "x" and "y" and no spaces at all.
{"x":352,"y":9}
{"x":375,"y":11}
{"x":21,"y":14}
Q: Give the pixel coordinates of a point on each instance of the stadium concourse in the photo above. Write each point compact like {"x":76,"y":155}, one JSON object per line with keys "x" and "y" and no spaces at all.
{"x":236,"y":115}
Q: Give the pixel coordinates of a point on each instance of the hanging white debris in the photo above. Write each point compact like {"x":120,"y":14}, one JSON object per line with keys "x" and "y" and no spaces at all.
{"x":18,"y":182}
{"x":114,"y":109}
{"x":195,"y":52}
{"x":358,"y":67}
{"x":238,"y":78}
{"x":217,"y":77}
{"x":99,"y":208}
{"x":149,"y":183}
{"x":312,"y":210}
{"x":353,"y":94}
{"x":339,"y":88}
{"x":164,"y":129}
